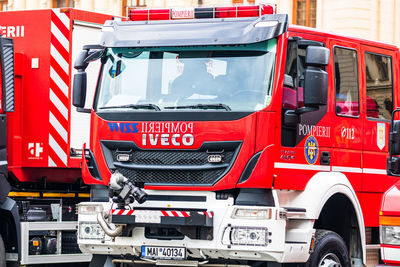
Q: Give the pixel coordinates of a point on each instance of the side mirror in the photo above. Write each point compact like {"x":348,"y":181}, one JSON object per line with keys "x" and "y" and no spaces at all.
{"x":317,"y":56}
{"x":394,"y":138}
{"x":315,"y":78}
{"x":79,"y":89}
{"x":80,"y":62}
{"x":393,"y":163}
{"x":315,"y":87}
{"x":7,"y":72}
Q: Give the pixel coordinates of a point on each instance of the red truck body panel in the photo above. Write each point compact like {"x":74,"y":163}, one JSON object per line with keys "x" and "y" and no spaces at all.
{"x":39,"y":131}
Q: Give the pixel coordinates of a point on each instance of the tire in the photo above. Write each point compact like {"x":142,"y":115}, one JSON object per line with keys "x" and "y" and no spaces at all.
{"x":329,"y":251}
{"x":2,"y":253}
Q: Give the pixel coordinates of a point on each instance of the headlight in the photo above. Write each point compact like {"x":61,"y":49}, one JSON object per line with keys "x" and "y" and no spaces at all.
{"x":390,"y":235}
{"x":90,"y":230}
{"x":249,"y":236}
{"x":258,"y":214}
{"x":89,"y":208}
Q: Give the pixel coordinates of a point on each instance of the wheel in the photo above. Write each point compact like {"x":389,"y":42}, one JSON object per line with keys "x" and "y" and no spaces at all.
{"x":329,"y":251}
{"x":2,"y":253}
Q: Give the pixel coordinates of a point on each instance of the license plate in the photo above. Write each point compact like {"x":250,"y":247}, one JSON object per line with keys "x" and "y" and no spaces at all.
{"x":164,"y":253}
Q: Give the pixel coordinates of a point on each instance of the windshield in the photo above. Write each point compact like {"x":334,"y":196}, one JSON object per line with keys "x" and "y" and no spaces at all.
{"x":227,"y":78}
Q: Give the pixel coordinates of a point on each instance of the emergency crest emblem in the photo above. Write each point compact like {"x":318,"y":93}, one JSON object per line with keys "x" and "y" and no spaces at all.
{"x":311,"y":150}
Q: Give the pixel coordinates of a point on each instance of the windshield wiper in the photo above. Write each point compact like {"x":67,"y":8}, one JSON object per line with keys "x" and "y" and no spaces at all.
{"x":202,"y":106}
{"x":136,"y":106}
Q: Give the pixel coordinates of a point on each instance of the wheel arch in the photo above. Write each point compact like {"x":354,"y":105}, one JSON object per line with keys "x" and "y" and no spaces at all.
{"x":325,"y":192}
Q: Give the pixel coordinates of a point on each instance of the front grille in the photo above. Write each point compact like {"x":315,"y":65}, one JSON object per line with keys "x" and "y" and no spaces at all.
{"x":152,"y":157}
{"x":166,"y":167}
{"x":171,"y":176}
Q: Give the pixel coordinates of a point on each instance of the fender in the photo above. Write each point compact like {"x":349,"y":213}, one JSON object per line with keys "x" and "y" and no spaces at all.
{"x":9,"y":215}
{"x":321,"y":187}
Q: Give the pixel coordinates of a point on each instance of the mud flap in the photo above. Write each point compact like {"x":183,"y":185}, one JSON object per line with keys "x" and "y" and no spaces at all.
{"x":101,"y":261}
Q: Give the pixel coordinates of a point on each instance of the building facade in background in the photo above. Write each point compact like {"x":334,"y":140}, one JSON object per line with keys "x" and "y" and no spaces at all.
{"x":370,"y":19}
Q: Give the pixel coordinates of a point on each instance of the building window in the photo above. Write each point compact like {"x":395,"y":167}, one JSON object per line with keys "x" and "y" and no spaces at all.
{"x":305,"y":12}
{"x":63,"y":3}
{"x":3,"y":5}
{"x":132,"y":3}
{"x":243,"y":2}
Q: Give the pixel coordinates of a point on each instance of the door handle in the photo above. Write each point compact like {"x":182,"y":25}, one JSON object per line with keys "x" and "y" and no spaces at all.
{"x":325,"y":158}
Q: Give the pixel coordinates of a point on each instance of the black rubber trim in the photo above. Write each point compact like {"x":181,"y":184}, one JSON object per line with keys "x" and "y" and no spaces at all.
{"x":172,"y":115}
{"x":176,"y":198}
{"x":99,"y":193}
{"x":98,"y":260}
{"x":255,"y":197}
{"x":92,"y":165}
{"x":293,"y":209}
{"x":249,"y":167}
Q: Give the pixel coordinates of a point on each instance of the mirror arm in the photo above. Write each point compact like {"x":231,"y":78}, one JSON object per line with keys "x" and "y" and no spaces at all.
{"x":84,"y":110}
{"x":303,"y":110}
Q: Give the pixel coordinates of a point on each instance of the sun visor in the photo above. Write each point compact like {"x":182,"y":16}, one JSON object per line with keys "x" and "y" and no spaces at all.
{"x":224,"y":31}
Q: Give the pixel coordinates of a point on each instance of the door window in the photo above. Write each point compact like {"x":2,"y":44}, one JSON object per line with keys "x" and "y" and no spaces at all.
{"x":346,"y":82}
{"x":378,"y":69}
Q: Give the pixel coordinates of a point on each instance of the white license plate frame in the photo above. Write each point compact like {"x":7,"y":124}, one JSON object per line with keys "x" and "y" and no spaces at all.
{"x":164,"y":253}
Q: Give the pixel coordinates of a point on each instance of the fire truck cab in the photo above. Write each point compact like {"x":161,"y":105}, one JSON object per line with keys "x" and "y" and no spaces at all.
{"x":224,"y":135}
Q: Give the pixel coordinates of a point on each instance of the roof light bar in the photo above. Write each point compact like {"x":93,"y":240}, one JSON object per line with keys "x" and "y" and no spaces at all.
{"x":200,"y":12}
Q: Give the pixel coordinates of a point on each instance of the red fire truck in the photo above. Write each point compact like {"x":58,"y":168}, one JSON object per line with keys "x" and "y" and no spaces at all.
{"x":225,"y":136}
{"x":40,"y":178}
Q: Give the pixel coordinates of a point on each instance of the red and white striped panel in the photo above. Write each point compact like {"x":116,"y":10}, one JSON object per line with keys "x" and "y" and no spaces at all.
{"x":172,"y":213}
{"x":162,"y":213}
{"x":209,"y":214}
{"x":59,"y":88}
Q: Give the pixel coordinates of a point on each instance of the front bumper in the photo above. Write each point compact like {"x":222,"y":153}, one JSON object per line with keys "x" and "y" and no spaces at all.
{"x":213,"y":214}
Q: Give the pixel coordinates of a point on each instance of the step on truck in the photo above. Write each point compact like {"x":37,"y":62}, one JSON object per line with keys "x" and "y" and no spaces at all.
{"x":41,"y":135}
{"x":226,"y":136}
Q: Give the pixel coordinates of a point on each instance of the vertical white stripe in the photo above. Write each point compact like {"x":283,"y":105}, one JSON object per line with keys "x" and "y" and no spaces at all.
{"x":59,"y":105}
{"x":51,"y":163}
{"x":60,"y":83}
{"x":63,"y":17}
{"x":59,"y":128}
{"x":57,"y":149}
{"x":59,"y":36}
{"x":60,"y":60}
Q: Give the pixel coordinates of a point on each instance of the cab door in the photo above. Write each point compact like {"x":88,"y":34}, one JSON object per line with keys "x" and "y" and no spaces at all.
{"x":347,"y":126}
{"x":305,"y":140}
{"x":378,"y":84}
